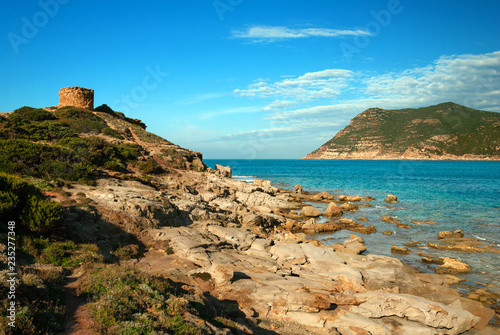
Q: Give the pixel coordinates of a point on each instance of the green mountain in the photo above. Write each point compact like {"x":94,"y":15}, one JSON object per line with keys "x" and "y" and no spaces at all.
{"x":440,"y":132}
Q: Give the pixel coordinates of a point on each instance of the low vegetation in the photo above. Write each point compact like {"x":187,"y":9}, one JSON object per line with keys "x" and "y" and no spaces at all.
{"x":19,"y":156}
{"x":126,"y":301}
{"x":21,"y":201}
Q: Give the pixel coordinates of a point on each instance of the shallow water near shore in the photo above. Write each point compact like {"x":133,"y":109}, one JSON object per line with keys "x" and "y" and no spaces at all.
{"x":455,"y":194}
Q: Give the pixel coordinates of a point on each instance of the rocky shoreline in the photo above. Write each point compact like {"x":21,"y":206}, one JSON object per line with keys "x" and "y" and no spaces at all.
{"x":248,"y":247}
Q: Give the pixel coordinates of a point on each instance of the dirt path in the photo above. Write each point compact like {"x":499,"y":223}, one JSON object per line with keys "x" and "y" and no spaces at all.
{"x":78,"y":321}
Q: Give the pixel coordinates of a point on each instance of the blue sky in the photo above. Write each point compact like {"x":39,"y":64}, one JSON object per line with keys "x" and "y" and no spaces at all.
{"x":251,"y":78}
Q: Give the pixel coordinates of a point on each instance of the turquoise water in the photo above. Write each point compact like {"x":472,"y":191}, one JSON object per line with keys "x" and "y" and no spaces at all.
{"x":456,"y":195}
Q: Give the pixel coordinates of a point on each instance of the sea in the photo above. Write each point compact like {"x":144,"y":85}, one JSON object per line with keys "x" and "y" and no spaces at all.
{"x":455,"y":195}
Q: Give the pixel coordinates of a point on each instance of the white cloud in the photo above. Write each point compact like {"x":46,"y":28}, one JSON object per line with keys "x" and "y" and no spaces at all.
{"x":289,"y":131}
{"x":290,"y":91}
{"x":471,"y":80}
{"x":229,"y":111}
{"x":199,"y":98}
{"x":279,"y":104}
{"x":273,"y":33}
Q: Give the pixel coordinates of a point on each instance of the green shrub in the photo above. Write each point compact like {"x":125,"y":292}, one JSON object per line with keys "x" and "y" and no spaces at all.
{"x":114,"y":165}
{"x":32,"y":114}
{"x":126,"y":301}
{"x":102,"y":153}
{"x":81,"y":120}
{"x":129,"y":151}
{"x":8,"y":202}
{"x":41,"y":214}
{"x":106,"y":109}
{"x":151,"y":167}
{"x":40,"y":160}
{"x":111,"y":132}
{"x":21,"y":200}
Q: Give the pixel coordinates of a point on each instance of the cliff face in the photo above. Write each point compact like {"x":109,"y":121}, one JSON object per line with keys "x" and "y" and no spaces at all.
{"x":442,"y":132}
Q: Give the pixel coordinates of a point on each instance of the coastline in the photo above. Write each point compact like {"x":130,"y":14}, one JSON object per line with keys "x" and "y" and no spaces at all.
{"x":244,"y":237}
{"x":391,"y":158}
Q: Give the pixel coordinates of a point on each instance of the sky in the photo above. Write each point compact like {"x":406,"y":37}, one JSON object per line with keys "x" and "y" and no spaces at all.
{"x":245,"y":79}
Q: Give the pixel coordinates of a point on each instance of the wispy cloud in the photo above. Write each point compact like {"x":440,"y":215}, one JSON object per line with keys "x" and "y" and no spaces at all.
{"x":471,"y":80}
{"x":229,"y":111}
{"x":273,"y":33}
{"x":291,"y":91}
{"x":199,"y":98}
{"x":272,"y":133}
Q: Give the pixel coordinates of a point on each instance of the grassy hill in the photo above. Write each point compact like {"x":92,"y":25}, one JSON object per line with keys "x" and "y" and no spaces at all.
{"x":44,"y":152}
{"x":443,"y":131}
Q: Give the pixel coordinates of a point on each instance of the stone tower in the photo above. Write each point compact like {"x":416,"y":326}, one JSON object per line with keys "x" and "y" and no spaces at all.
{"x":76,"y":96}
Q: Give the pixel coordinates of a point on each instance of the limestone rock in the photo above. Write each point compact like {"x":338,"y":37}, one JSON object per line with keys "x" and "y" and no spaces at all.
{"x":391,"y":199}
{"x":322,"y":196}
{"x":221,"y":274}
{"x":224,"y":171}
{"x":239,"y":238}
{"x":348,"y":206}
{"x":389,"y":219}
{"x":355,"y":198}
{"x":449,"y":234}
{"x":413,"y":308}
{"x":260,"y":182}
{"x":332,"y":210}
{"x":453,"y":266}
{"x":298,"y":189}
{"x":310,"y":211}
{"x":354,"y":245}
{"x":400,"y":250}
{"x":252,"y":220}
{"x":291,"y":253}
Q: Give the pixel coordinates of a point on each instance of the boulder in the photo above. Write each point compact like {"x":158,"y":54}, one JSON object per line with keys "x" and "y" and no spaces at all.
{"x":448,"y":234}
{"x":389,"y":219}
{"x":322,"y":196}
{"x":298,"y":189}
{"x":453,"y":266}
{"x":310,"y":211}
{"x":348,"y":206}
{"x":259,"y":198}
{"x":391,"y":199}
{"x":291,"y":253}
{"x":241,"y":239}
{"x":332,"y":210}
{"x":400,"y":250}
{"x":349,"y":198}
{"x":221,"y":274}
{"x":263,"y":183}
{"x":252,"y":220}
{"x":309,"y":226}
{"x":355,"y":245}
{"x":413,"y":308}
{"x":224,"y":171}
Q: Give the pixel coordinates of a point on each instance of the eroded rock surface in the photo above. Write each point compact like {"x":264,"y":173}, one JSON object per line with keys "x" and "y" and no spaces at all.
{"x":239,"y":242}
